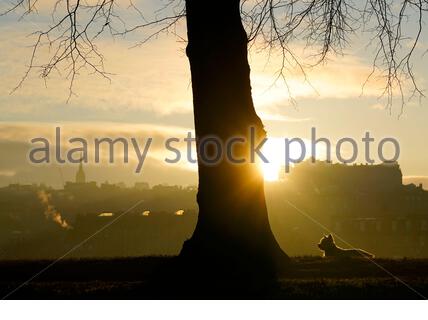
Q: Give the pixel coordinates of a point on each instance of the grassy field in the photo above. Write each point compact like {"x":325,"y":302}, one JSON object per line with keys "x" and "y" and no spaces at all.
{"x":307,"y":278}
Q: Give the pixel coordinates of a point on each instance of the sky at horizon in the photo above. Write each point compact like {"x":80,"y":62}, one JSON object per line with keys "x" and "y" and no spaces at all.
{"x":150,"y":96}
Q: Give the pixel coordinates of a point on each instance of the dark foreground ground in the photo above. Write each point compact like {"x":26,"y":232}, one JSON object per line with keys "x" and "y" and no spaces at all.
{"x":308,"y":278}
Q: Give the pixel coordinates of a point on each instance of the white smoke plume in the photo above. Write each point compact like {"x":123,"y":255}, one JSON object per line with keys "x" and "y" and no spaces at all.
{"x":50,"y":212}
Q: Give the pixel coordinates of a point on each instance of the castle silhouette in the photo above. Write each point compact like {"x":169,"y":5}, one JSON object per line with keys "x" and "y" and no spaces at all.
{"x":368,"y":205}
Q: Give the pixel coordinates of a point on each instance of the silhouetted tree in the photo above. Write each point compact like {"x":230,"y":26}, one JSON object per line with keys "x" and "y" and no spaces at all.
{"x":233,"y":221}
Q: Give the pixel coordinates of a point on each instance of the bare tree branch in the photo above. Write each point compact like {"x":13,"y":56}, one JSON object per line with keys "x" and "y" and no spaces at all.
{"x":77,"y":25}
{"x":325,"y":27}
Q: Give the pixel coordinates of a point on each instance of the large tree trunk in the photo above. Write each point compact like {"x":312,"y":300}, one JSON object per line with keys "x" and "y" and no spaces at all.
{"x":233,"y":228}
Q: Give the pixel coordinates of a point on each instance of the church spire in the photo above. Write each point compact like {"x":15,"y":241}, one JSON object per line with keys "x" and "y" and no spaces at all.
{"x":80,"y":175}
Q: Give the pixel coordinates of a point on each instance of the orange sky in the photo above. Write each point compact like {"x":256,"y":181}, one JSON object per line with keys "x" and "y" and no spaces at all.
{"x":150,"y":94}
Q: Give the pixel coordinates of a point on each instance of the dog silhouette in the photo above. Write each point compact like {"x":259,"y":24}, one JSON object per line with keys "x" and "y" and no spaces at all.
{"x":330,"y":249}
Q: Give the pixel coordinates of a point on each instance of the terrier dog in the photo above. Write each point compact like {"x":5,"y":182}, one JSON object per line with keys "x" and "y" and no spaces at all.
{"x":331,"y":250}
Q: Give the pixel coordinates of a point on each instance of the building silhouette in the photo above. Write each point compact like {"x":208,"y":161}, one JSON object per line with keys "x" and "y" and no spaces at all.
{"x":80,"y":174}
{"x":367,"y":205}
{"x":80,"y":187}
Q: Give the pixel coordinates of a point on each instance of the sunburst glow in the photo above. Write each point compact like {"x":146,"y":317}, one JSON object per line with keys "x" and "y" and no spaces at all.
{"x":273,"y":150}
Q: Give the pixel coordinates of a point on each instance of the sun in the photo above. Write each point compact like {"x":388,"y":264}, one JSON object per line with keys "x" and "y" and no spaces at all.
{"x":270,"y":172}
{"x":273,"y":151}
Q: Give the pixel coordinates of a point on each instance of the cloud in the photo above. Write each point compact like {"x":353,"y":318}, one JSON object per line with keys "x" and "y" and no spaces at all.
{"x":154,"y":78}
{"x":7,"y":173}
{"x":266,"y":116}
{"x":378,"y":106}
{"x":24,"y":131}
{"x":340,"y":78}
{"x":15,"y":145}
